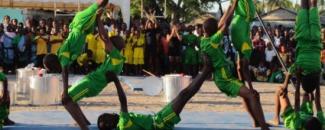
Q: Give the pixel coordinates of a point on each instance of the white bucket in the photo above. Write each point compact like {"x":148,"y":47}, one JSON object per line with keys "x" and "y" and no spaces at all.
{"x":23,"y":82}
{"x":172,"y":85}
{"x":45,"y":90}
{"x":12,"y":91}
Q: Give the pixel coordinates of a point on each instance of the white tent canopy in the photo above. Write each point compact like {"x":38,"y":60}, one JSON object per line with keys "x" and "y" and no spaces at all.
{"x":64,"y":5}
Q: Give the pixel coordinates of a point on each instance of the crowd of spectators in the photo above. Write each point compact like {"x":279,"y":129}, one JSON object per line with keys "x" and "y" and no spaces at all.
{"x":150,"y":45}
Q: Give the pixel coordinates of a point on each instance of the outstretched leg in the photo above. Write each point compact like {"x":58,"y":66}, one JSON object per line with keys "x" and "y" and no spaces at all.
{"x":184,"y":96}
{"x":254,"y":104}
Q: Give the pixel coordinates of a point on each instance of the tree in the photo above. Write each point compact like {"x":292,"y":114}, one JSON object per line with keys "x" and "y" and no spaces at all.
{"x":175,"y":8}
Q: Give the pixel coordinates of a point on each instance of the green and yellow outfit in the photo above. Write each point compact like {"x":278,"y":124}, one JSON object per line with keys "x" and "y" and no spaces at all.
{"x":308,"y":42}
{"x":4,"y":110}
{"x":222,"y":76}
{"x":240,"y":28}
{"x":166,"y":119}
{"x":190,"y":55}
{"x":92,"y":84}
{"x":82,"y":24}
{"x":297,"y":120}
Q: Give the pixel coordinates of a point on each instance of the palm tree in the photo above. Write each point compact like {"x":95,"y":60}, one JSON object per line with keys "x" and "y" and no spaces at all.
{"x":280,"y":3}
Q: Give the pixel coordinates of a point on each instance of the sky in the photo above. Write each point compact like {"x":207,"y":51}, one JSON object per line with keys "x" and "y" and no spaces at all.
{"x":226,"y":4}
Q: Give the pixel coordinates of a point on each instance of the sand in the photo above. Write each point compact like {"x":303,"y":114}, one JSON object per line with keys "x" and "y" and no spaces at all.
{"x":209,"y":99}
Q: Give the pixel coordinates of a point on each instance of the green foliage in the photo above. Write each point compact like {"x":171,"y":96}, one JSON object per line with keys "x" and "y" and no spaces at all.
{"x":176,"y":8}
{"x":280,"y":3}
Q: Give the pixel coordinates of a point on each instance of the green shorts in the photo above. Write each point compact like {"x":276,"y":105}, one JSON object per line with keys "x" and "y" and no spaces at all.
{"x":240,"y":33}
{"x":227,"y":83}
{"x":288,"y":117}
{"x":308,"y":25}
{"x":166,"y":119}
{"x":85,"y":88}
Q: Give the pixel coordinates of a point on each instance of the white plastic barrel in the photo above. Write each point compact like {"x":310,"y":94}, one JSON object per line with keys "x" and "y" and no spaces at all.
{"x":23,"y":82}
{"x":172,"y":85}
{"x":45,"y":90}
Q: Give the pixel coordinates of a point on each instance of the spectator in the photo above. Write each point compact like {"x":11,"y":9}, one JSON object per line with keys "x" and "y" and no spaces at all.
{"x":6,"y":22}
{"x":151,"y":30}
{"x":277,"y":38}
{"x":174,"y":39}
{"x":14,"y":23}
{"x":259,"y":47}
{"x":8,"y":49}
{"x":65,"y":31}
{"x":277,"y":75}
{"x":261,"y":72}
{"x":41,"y":47}
{"x":123,"y":31}
{"x":128,"y":53}
{"x":190,"y":54}
{"x":42,"y":25}
{"x":28,"y":24}
{"x":283,"y":54}
{"x":91,"y":43}
{"x":23,"y":49}
{"x":55,"y":41}
{"x":138,"y":55}
{"x":270,"y":54}
{"x":165,"y":52}
{"x":84,"y":63}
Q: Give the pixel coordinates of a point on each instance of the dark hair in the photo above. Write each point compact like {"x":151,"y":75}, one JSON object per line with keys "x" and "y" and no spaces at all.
{"x":105,"y":120}
{"x":52,"y":63}
{"x":210,"y":26}
{"x":313,"y":124}
{"x":310,"y":82}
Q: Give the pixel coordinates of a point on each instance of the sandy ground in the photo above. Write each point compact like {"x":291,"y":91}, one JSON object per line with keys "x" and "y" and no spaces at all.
{"x":209,"y":99}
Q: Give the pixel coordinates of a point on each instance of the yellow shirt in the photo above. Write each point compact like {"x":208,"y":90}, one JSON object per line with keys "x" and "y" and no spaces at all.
{"x":55,"y":46}
{"x":41,"y":44}
{"x":129,"y":44}
{"x":100,"y":51}
{"x":112,"y":34}
{"x":92,"y":42}
{"x":141,"y":40}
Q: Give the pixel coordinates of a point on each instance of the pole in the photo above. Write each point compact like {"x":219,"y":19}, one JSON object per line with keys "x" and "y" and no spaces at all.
{"x":273,"y":45}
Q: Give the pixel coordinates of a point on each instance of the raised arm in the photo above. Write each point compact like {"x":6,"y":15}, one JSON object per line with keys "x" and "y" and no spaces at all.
{"x":102,"y":33}
{"x":122,"y":97}
{"x":227,"y":17}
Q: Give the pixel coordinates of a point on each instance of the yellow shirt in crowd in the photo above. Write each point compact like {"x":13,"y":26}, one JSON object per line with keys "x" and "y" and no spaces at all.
{"x":100,"y":53}
{"x":92,"y":42}
{"x":41,"y":45}
{"x":55,"y":46}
